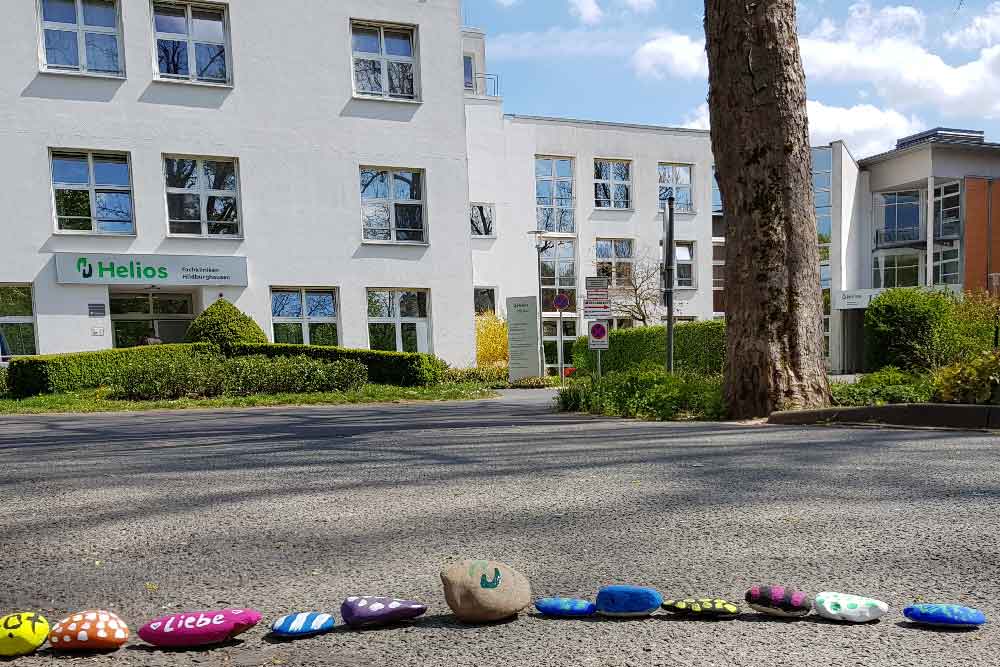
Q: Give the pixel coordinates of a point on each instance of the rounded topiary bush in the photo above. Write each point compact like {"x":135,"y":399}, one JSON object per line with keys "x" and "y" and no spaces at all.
{"x":226,"y":326}
{"x":912,"y":328}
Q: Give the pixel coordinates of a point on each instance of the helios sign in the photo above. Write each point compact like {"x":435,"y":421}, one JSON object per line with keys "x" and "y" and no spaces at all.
{"x":190,"y":270}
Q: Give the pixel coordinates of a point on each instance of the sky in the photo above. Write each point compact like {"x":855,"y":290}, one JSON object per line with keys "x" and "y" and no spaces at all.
{"x":875,"y":71}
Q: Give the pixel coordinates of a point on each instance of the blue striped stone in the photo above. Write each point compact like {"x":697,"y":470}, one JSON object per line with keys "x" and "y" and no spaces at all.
{"x":951,"y":615}
{"x":303,"y":624}
{"x":565,"y":607}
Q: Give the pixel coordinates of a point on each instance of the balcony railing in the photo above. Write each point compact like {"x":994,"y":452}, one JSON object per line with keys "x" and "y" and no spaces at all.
{"x":901,"y":236}
{"x":487,"y":85}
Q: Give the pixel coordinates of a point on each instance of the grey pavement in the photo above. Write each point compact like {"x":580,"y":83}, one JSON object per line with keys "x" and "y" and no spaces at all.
{"x":293,"y":509}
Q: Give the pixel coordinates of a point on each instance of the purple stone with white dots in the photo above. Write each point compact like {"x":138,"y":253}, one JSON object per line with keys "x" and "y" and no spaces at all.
{"x":369,"y":610}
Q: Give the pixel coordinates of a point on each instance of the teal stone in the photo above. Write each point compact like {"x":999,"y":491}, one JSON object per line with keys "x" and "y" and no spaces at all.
{"x":565,"y":607}
{"x":945,"y":615}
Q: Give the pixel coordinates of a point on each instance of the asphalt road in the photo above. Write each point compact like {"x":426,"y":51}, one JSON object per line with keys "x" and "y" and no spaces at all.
{"x":291,"y":510}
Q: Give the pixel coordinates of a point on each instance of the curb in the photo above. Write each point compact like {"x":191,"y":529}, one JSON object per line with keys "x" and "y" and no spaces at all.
{"x":978,"y":417}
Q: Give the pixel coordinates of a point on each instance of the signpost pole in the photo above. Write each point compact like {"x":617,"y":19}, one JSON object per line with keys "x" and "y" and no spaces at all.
{"x":668,"y":277}
{"x":598,"y":364}
{"x":562,"y":372}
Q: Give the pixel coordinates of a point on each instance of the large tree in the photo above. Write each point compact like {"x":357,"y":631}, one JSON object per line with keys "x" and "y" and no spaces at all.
{"x":760,"y":137}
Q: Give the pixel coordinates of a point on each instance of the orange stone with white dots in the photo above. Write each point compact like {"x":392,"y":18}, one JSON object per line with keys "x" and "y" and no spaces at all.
{"x":91,"y":630}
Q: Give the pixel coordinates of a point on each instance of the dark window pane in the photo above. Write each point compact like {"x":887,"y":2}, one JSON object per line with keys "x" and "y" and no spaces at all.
{"x":368,"y":76}
{"x":19,"y":338}
{"x":61,"y":49}
{"x":100,"y":13}
{"x":208,"y":25}
{"x":220,"y":175}
{"x":565,"y":221}
{"x":172,"y":304}
{"x":382,"y":336}
{"x":366,"y":40}
{"x":224,"y":228}
{"x":170,"y":19}
{"x":719,"y":226}
{"x":177,"y":227}
{"x":129,"y":304}
{"x":73,"y":203}
{"x":545,"y":219}
{"x":401,"y":79}
{"x":604,"y":249}
{"x":406,"y":185}
{"x":222,"y":209}
{"x":398,"y":43}
{"x":181,"y":173}
{"x":288,"y":333}
{"x":15,"y":301}
{"x":485,"y":300}
{"x":75,"y":224}
{"x":409,"y":331}
{"x":102,"y":53}
{"x":211,"y":62}
{"x":413,"y":304}
{"x":602,"y":195}
{"x":321,"y":304}
{"x":622,"y":196}
{"x":286,"y":304}
{"x":409,"y":216}
{"x":70,"y":169}
{"x":469,"y":73}
{"x":131,"y":334}
{"x":621,"y":170}
{"x":602,"y":170}
{"x":172,"y":56}
{"x":59,"y":11}
{"x":111,"y":171}
{"x":623,"y":248}
{"x":184,"y":207}
{"x":323,"y":333}
{"x":380,"y":303}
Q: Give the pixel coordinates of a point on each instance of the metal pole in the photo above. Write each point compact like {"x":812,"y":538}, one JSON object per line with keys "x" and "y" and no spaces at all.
{"x":562,"y":372}
{"x":598,"y":364}
{"x":541,"y":316}
{"x":669,"y":264}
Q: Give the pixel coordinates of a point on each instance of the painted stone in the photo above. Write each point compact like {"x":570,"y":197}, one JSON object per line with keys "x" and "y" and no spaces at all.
{"x":305,"y":624}
{"x":945,"y":615}
{"x":23,"y":633}
{"x":628,"y":601}
{"x":198,"y":628}
{"x":779,"y":601}
{"x":851,"y":608}
{"x":358,"y":611}
{"x":480,"y":591}
{"x":91,"y":630}
{"x":702,"y":608}
{"x":565,"y":607}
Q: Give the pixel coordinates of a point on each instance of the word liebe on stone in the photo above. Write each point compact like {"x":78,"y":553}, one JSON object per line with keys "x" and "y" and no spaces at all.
{"x":199,"y":628}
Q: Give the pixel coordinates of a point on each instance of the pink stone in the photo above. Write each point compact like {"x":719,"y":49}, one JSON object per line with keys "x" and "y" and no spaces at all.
{"x":197,"y":628}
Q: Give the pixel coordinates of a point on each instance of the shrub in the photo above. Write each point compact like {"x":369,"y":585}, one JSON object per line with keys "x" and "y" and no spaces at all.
{"x":3,"y":381}
{"x":975,"y":381}
{"x":495,"y":377}
{"x":534,"y":383}
{"x":404,"y":369}
{"x":245,"y":376}
{"x":912,"y":328}
{"x":226,"y":326}
{"x":647,"y":394}
{"x":54,"y":373}
{"x":168,"y":378}
{"x":699,"y":347}
{"x":491,"y":341}
{"x":976,"y":313}
{"x":889,"y":385}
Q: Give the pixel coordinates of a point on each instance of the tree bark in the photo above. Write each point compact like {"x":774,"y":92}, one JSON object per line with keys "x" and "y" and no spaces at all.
{"x":760,"y":137}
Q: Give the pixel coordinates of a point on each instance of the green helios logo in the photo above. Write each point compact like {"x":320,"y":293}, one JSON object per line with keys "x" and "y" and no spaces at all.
{"x":133,"y":270}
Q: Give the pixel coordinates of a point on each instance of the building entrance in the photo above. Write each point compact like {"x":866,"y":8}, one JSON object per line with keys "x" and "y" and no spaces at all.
{"x":137,"y":317}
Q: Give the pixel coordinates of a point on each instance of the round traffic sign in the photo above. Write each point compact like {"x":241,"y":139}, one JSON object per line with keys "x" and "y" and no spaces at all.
{"x":561,"y":302}
{"x":598,"y":331}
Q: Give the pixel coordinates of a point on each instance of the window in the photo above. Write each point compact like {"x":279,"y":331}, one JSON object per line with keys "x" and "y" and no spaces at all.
{"x":554,"y":354}
{"x":397,"y":320}
{"x":898,"y":217}
{"x":675,"y":180}
{"x":826,"y":322}
{"x":384,"y":64}
{"x":93,"y":192}
{"x":612,"y":184}
{"x":191,"y":42}
{"x":82,"y":36}
{"x":554,"y":195}
{"x":305,"y":316}
{"x":485,"y":299}
{"x":822,"y":177}
{"x":947,"y":267}
{"x":558,"y":274}
{"x":203,"y":196}
{"x":392,"y":206}
{"x":615,"y":259}
{"x":17,"y":321}
{"x":718,"y":215}
{"x":948,"y":211}
{"x":718,"y":277}
{"x":621,"y":323}
{"x":469,"y":65}
{"x":684,"y":262}
{"x":481,"y":219}
{"x":896,"y":271}
{"x":137,"y":317}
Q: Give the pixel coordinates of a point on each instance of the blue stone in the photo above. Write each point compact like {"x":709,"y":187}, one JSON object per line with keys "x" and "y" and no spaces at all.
{"x":951,"y":615}
{"x":628,"y":601}
{"x":305,"y":624}
{"x":565,"y":607}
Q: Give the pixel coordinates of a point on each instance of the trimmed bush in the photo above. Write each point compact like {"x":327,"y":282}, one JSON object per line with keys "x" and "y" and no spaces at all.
{"x":55,"y":373}
{"x":699,"y":347}
{"x":491,"y":341}
{"x":245,"y":376}
{"x":535,"y":383}
{"x":912,"y":328}
{"x":169,"y":378}
{"x":403,"y":369}
{"x":225,"y":326}
{"x":647,"y":394}
{"x":889,"y":385}
{"x":975,"y":381}
{"x":495,"y":377}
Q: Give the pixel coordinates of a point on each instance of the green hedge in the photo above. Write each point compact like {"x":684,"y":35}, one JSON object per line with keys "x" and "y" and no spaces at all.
{"x":887,"y":386}
{"x":3,"y":381}
{"x":974,"y":381}
{"x":403,"y":369}
{"x":55,"y":373}
{"x":699,"y":347}
{"x":647,"y":394}
{"x":912,"y":328}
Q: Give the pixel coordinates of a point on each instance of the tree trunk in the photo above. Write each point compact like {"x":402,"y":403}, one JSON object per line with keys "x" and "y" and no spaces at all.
{"x":760,"y":137}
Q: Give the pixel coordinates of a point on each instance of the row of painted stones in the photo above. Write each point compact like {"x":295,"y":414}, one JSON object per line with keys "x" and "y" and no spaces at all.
{"x":476,"y":591}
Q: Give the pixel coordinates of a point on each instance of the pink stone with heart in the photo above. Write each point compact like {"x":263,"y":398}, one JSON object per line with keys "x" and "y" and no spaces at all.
{"x":198,"y":628}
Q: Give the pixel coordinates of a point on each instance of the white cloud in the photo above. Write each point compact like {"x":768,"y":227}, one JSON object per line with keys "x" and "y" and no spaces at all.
{"x":507,"y":3}
{"x":865,"y":24}
{"x":640,"y":5}
{"x":588,"y":11}
{"x":562,"y":42}
{"x":671,"y":54}
{"x":865,"y":129}
{"x":981,"y":31}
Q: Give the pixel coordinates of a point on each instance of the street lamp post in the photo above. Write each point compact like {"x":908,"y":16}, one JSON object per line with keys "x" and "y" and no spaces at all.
{"x":541,"y":245}
{"x":669,"y":266}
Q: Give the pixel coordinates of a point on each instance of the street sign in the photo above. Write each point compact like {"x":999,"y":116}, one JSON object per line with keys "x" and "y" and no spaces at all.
{"x":522,"y":338}
{"x":599,"y":336}
{"x":597,"y":283}
{"x":561,"y":302}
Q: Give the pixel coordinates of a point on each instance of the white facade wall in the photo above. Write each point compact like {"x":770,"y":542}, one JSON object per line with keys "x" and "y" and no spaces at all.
{"x":299,"y":133}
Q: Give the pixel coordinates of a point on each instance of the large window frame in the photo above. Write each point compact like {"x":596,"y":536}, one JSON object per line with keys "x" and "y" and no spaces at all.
{"x":147,"y":317}
{"x":615,"y":258}
{"x":559,"y":274}
{"x":224,"y":217}
{"x":897,"y":265}
{"x":554,"y":356}
{"x":17,"y":320}
{"x":192,"y":42}
{"x":613,"y":184}
{"x":948,"y":210}
{"x":98,"y":214}
{"x":84,"y":32}
{"x":304,"y":313}
{"x":372,"y":198}
{"x":479,"y":293}
{"x":947,"y":265}
{"x":400,"y":301}
{"x":685,"y":257}
{"x":386,"y":61}
{"x":888,"y":207}
{"x":676,"y":178}
{"x":555,"y":199}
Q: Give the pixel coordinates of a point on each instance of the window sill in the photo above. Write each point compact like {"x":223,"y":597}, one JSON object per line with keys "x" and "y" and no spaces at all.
{"x":379,"y":98}
{"x":678,"y":211}
{"x":82,"y":74}
{"x":484,"y":237}
{"x":402,"y":243}
{"x":601,"y":209}
{"x":206,"y":237}
{"x":113,"y":235}
{"x":189,"y":82}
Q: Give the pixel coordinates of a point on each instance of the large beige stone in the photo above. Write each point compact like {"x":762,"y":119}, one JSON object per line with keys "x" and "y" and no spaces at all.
{"x":479,"y":591}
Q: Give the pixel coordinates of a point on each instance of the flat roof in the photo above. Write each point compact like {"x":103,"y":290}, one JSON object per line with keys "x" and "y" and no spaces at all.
{"x":603,"y":123}
{"x":937,"y":137}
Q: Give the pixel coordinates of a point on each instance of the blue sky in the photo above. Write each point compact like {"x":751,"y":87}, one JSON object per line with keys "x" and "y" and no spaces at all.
{"x":876,"y":70}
